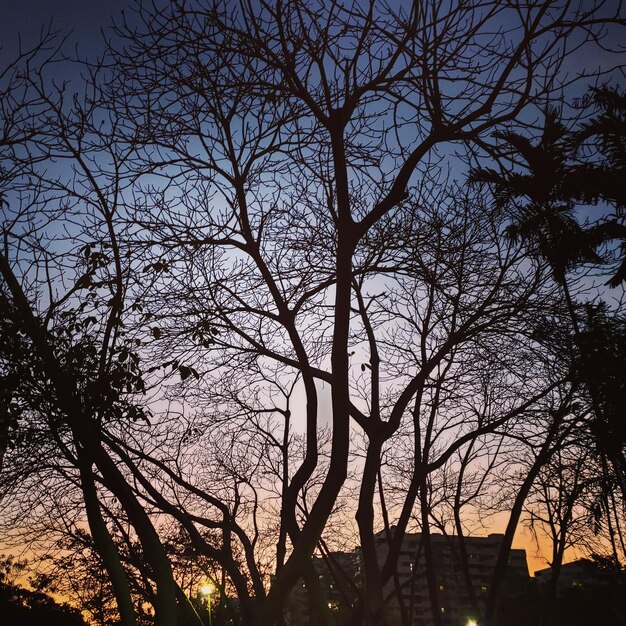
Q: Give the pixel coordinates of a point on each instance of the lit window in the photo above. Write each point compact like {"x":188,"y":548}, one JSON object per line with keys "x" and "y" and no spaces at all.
{"x":442,"y":587}
{"x":443,"y":610}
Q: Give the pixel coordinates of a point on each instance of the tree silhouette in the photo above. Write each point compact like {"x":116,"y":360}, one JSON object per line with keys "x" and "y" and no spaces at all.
{"x":554,"y":184}
{"x":542,"y":200}
{"x":24,"y":607}
{"x":242,"y":299}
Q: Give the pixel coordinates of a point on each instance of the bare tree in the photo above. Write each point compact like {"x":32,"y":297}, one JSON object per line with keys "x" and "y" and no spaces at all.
{"x":259,"y":197}
{"x":73,"y":367}
{"x":269,"y":110}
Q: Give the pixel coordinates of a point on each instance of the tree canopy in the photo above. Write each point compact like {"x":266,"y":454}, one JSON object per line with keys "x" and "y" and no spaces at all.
{"x":279,"y":279}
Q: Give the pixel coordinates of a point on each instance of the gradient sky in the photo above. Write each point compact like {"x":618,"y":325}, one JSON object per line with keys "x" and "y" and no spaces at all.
{"x":82,"y":21}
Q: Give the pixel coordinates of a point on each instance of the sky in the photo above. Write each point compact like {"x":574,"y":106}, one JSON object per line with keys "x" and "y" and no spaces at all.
{"x":82,"y":20}
{"x":22,"y":21}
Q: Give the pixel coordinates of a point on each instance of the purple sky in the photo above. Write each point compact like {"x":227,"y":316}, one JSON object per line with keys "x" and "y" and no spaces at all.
{"x":82,"y":18}
{"x":85,"y":18}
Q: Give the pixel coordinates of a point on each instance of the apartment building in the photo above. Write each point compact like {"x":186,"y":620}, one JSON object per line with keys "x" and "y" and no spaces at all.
{"x":453,"y":595}
{"x":341,"y":576}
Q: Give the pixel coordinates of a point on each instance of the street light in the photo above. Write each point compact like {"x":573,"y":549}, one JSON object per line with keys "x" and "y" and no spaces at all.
{"x":472,"y":622}
{"x":205,"y":591}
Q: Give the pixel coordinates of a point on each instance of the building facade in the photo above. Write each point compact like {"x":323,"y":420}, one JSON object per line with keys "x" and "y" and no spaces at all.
{"x":340,"y":575}
{"x":451,"y":587}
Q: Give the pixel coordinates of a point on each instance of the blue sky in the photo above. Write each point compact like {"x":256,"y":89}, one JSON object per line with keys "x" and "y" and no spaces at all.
{"x":81,"y":19}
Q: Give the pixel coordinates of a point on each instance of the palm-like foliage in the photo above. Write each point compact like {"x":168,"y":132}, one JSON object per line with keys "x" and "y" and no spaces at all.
{"x":605,"y":180}
{"x":543,"y":195}
{"x":539,"y":198}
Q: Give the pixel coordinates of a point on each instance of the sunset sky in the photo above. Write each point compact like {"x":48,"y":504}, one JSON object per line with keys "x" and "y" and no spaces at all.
{"x":82,"y":21}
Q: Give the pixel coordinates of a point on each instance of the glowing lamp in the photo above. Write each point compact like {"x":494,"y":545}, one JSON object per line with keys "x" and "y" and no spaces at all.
{"x":206,"y":590}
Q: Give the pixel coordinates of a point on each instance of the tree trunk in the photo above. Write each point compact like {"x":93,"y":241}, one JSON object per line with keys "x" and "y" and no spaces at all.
{"x":431,"y":574}
{"x":372,"y":589}
{"x":105,"y":545}
{"x":499,"y":571}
